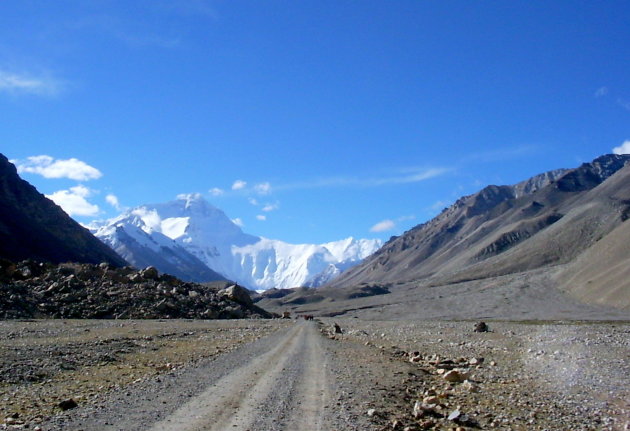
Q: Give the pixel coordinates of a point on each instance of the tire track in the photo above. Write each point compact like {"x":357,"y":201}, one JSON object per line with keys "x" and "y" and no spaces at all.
{"x":293,"y":373}
{"x":313,"y":387}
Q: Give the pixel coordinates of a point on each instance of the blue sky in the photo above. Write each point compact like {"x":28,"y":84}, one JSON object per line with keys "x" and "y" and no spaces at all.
{"x":308,"y":121}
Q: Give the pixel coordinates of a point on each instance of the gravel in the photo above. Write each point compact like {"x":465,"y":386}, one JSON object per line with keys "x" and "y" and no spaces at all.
{"x":373,"y":376}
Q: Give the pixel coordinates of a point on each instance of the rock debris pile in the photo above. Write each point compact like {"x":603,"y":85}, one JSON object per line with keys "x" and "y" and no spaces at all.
{"x":84,"y":291}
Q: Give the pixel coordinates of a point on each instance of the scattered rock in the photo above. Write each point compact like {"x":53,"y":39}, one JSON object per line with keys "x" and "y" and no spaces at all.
{"x":481,"y":327}
{"x":150,"y":273}
{"x":67,"y":404}
{"x":418,"y":411}
{"x":454,"y":376}
{"x":431,"y":400}
{"x":426,"y":424}
{"x":476,"y":361}
{"x":237,"y":293}
{"x":470,"y":386}
{"x":454,"y":415}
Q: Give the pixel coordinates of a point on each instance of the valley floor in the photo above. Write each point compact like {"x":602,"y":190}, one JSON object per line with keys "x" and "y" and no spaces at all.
{"x":288,"y":375}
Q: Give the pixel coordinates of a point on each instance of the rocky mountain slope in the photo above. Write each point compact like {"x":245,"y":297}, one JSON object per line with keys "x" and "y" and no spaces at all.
{"x":572,"y":221}
{"x":33,"y":227}
{"x":195,"y":240}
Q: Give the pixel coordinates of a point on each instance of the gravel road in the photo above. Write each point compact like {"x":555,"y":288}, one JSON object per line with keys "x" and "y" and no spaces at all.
{"x":284,"y":388}
{"x":279,"y":382}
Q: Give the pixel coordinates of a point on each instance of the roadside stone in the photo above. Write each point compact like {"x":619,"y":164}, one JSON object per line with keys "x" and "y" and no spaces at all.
{"x":418,"y":411}
{"x":481,"y":327}
{"x":454,"y":415}
{"x":454,"y":376}
{"x":426,"y":424}
{"x":476,"y":361}
{"x":470,"y":386}
{"x":431,"y":400}
{"x":67,"y":404}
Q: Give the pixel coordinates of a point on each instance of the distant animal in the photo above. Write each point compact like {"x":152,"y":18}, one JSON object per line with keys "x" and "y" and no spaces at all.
{"x":286,"y":314}
{"x":308,"y":317}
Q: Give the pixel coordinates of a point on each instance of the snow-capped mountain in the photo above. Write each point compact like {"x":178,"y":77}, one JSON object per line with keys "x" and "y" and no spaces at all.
{"x":187,"y":232}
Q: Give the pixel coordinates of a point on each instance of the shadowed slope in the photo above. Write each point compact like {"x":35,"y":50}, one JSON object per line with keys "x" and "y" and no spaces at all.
{"x":33,"y":227}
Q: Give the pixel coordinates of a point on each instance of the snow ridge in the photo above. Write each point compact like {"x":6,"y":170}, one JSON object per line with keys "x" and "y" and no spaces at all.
{"x":189,"y":228}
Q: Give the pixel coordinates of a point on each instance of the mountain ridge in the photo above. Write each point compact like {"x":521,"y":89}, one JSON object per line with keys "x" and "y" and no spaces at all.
{"x":190,"y":230}
{"x":546,"y":221}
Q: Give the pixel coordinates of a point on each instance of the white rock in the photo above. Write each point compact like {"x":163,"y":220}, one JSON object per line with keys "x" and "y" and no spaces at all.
{"x":470,"y":386}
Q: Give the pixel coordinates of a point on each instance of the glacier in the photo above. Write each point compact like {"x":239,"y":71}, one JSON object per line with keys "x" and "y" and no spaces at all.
{"x":181,"y":235}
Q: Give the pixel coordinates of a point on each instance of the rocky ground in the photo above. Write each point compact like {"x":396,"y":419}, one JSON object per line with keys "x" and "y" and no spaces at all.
{"x":44,"y":363}
{"x":379,"y":375}
{"x":517,"y":376}
{"x":83,"y":291}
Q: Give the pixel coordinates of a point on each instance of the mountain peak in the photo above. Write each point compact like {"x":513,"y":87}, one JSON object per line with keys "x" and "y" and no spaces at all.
{"x":192,"y":199}
{"x":206,"y":233}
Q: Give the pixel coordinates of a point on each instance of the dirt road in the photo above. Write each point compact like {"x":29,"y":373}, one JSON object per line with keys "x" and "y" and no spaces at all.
{"x":280,"y":382}
{"x":289,"y":381}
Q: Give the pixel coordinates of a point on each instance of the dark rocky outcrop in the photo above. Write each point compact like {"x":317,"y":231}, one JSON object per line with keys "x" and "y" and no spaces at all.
{"x":34,"y":227}
{"x":34,"y":289}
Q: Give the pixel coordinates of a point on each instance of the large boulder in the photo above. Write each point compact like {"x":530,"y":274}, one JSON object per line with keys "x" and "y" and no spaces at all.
{"x":150,"y":273}
{"x":237,"y":293}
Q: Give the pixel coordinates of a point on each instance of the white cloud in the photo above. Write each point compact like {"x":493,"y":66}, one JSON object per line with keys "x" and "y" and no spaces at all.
{"x":188,"y":197}
{"x":48,"y":167}
{"x":238,"y":222}
{"x":406,"y":218}
{"x":215,"y":191}
{"x":439,"y":205}
{"x":601,"y":92}
{"x":253,"y":201}
{"x":623,"y":103}
{"x":383,"y":226}
{"x":623,"y":148}
{"x":112,"y":199}
{"x":239,"y":185}
{"x":16,"y":83}
{"x":270,"y":207}
{"x":261,"y":217}
{"x":406,"y":176}
{"x":74,"y":201}
{"x":263,"y":188}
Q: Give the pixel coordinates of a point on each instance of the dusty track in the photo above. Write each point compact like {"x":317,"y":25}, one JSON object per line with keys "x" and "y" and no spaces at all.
{"x":294,"y":368}
{"x":280,"y":382}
